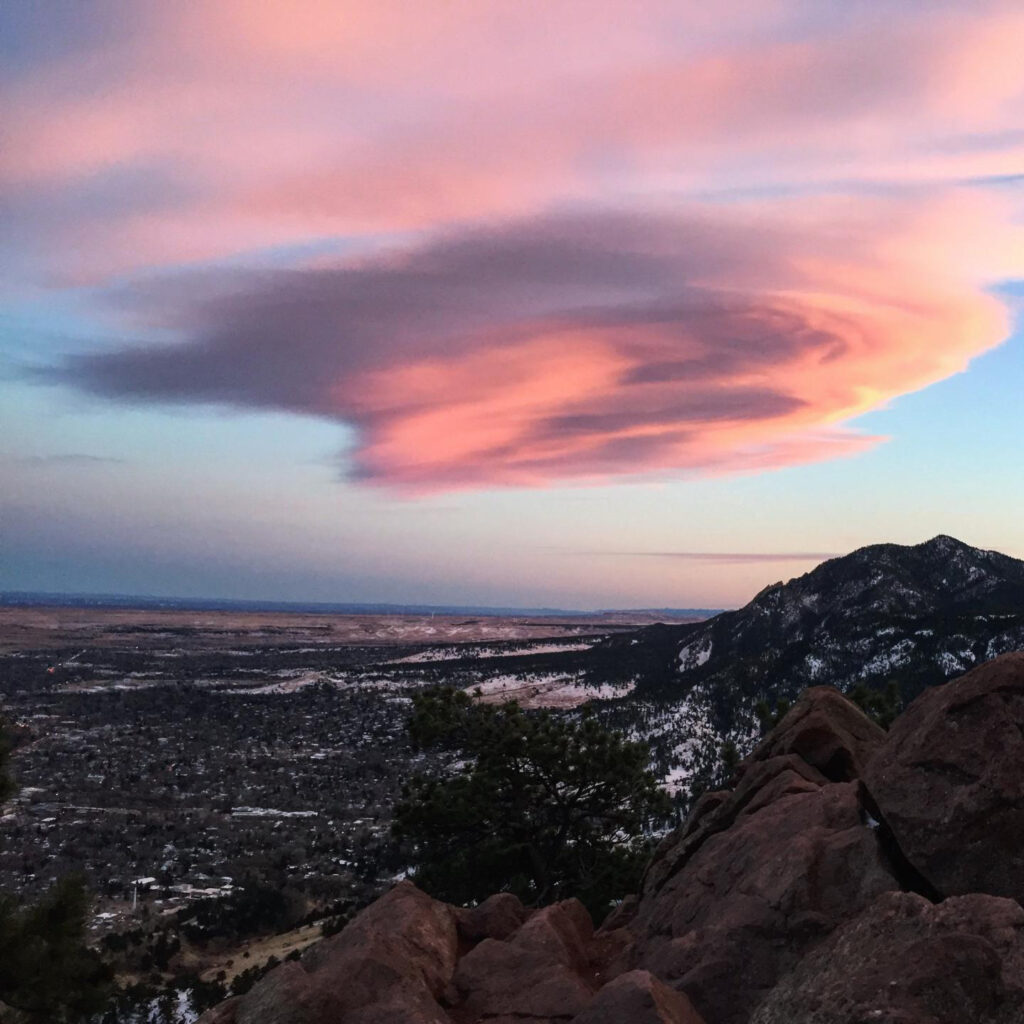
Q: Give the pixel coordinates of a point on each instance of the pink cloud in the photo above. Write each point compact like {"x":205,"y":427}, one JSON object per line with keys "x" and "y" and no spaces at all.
{"x":546,"y":292}
{"x":593,"y":346}
{"x":290,"y":122}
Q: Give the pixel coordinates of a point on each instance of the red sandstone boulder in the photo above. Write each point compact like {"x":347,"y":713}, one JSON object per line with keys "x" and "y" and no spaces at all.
{"x":389,"y":964}
{"x":541,"y":973}
{"x":749,"y":901}
{"x":909,"y":961}
{"x":828,"y":732}
{"x":638,"y":998}
{"x":501,"y":979}
{"x":405,"y":929}
{"x":949,"y":781}
{"x":824,"y":737}
{"x":759,"y":875}
{"x":496,"y":918}
{"x":716,"y":812}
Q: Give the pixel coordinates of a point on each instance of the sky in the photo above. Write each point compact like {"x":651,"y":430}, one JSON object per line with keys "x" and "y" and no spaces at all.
{"x":591,"y":304}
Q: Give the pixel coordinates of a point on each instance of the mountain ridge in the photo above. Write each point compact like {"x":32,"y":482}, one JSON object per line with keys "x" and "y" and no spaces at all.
{"x":884,"y":586}
{"x":913,"y":615}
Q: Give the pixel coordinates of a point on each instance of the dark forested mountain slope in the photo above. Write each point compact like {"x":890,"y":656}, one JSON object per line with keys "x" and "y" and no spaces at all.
{"x":917,"y":615}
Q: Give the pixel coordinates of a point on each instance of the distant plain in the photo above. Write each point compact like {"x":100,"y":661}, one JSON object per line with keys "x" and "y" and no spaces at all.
{"x":34,"y":628}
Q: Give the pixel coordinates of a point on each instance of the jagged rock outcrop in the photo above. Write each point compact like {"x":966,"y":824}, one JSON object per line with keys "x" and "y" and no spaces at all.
{"x":496,"y":918}
{"x":539,"y":973}
{"x":637,"y":997}
{"x":808,"y":893}
{"x":949,"y":782}
{"x":758,"y":875}
{"x":824,"y":737}
{"x":826,"y":731}
{"x":409,"y":959}
{"x":389,"y":965}
{"x":907,"y":960}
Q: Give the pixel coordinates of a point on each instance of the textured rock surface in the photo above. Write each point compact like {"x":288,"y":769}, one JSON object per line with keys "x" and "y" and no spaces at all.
{"x":496,"y":918}
{"x":639,"y":998}
{"x":542,"y":971}
{"x":909,"y":961}
{"x":949,"y":781}
{"x":754,"y":898}
{"x":757,"y":876}
{"x":391,"y":962}
{"x":826,"y":731}
{"x":824,"y":737}
{"x":502,"y":979}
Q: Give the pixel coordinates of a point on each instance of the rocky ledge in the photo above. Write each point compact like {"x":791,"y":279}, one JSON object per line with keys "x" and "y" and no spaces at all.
{"x":848,"y":876}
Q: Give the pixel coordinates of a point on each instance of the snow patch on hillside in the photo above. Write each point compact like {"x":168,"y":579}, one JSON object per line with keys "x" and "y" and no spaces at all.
{"x":898,"y":655}
{"x":951,"y":664}
{"x":695,"y":654}
{"x":815,"y":665}
{"x":555,"y":690}
{"x":458,"y":653}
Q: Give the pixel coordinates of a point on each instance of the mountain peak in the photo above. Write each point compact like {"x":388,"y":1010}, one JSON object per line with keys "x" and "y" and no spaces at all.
{"x":944,"y":543}
{"x":917,"y":614}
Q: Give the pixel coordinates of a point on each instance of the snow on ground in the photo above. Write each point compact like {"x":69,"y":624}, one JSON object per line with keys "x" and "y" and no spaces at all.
{"x":690,"y":720}
{"x":695,"y":654}
{"x":563,"y":690}
{"x":815,"y":665}
{"x":455,"y":653}
{"x":951,"y":664}
{"x":684,"y":740}
{"x":285,"y":683}
{"x":154,"y":1012}
{"x":897,"y":656}
{"x":269,"y":812}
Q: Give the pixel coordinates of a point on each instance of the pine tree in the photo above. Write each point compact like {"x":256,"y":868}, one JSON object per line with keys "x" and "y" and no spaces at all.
{"x":541,"y":806}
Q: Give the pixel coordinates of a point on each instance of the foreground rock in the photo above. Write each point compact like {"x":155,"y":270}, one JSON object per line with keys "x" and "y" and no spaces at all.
{"x":906,"y":960}
{"x":826,"y":731}
{"x":540,"y":973}
{"x":639,"y":998}
{"x":390,"y":964}
{"x":409,"y":959}
{"x":823,"y":738}
{"x":758,"y":876}
{"x":949,"y":781}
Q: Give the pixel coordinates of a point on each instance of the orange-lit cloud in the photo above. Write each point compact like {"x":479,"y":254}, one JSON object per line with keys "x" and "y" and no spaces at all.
{"x":590,"y":346}
{"x":585,"y":241}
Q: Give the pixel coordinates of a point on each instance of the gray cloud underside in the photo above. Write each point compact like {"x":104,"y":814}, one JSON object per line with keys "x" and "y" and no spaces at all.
{"x":293,"y":339}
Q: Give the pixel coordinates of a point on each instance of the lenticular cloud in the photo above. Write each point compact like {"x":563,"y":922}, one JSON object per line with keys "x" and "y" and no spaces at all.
{"x":584,"y":347}
{"x":605,"y":241}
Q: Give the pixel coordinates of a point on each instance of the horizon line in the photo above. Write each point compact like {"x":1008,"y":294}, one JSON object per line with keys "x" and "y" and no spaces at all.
{"x":44,"y":598}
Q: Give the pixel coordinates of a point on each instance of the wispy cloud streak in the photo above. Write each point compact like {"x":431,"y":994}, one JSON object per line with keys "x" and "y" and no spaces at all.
{"x":728,"y":557}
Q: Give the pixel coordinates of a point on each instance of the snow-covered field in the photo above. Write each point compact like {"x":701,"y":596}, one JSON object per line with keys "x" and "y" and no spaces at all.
{"x":269,"y":812}
{"x":545,"y":691}
{"x":455,"y":653}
